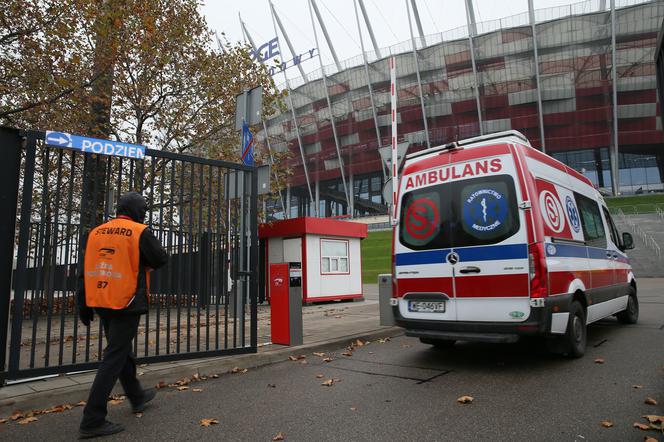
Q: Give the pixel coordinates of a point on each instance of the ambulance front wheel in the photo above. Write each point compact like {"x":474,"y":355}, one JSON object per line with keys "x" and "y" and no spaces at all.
{"x":631,"y":314}
{"x":438,"y":343}
{"x":575,"y":338}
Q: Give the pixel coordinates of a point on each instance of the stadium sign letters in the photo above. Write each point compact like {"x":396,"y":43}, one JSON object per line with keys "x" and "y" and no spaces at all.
{"x":94,"y":145}
{"x":269,"y":50}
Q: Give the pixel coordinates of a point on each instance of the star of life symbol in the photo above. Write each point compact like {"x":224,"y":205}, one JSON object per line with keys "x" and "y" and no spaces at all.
{"x":483,"y":203}
{"x":485,"y":210}
{"x":573,"y":214}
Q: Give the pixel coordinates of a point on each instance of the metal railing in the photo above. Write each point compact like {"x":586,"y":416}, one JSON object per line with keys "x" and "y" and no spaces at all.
{"x":638,"y":231}
{"x":638,"y":209}
{"x":659,"y":212}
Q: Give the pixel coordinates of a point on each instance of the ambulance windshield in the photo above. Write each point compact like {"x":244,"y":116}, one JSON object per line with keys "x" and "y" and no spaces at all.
{"x":473,"y":212}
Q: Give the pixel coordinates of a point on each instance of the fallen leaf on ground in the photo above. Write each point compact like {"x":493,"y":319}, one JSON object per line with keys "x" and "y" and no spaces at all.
{"x":17,"y":415}
{"x":140,"y":373}
{"x":239,"y":370}
{"x":3,"y":421}
{"x":353,"y":408}
{"x":641,"y":426}
{"x":649,"y":439}
{"x":182,"y":388}
{"x":208,"y":422}
{"x":607,"y":424}
{"x":196,"y":377}
{"x":384,"y":340}
{"x":278,"y":436}
{"x":327,"y":360}
{"x":465,"y":399}
{"x":358,"y":343}
{"x":650,"y":401}
{"x":636,"y":387}
{"x":27,"y":420}
{"x":197,"y":390}
{"x":214,"y":376}
{"x":319,"y":376}
{"x":328,"y":383}
{"x":80,"y":404}
{"x":296,"y":358}
{"x":138,"y":415}
{"x":115,"y":402}
{"x":338,"y":316}
{"x":599,"y":361}
{"x":161,"y":384}
{"x":319,"y":354}
{"x":653,"y":418}
{"x":347,"y":353}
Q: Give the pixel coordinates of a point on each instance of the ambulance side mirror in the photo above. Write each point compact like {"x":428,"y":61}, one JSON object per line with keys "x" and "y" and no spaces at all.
{"x":627,"y":240}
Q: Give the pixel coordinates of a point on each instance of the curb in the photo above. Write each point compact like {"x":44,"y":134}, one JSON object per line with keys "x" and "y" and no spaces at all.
{"x":221,"y":365}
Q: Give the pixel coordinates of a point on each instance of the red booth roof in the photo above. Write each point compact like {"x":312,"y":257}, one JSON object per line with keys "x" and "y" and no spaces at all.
{"x":312,"y":226}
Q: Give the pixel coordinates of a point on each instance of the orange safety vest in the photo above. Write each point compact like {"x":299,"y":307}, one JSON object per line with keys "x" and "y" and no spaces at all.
{"x":112,"y":264}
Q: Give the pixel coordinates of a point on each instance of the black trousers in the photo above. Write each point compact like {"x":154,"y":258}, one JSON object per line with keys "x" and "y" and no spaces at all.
{"x":118,"y":363}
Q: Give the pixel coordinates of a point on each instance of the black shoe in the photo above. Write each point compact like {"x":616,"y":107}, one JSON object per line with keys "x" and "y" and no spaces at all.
{"x":105,"y":429}
{"x":148,"y":395}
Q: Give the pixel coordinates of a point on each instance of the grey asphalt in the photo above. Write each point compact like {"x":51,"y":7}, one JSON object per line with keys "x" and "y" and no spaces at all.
{"x":404,"y":390}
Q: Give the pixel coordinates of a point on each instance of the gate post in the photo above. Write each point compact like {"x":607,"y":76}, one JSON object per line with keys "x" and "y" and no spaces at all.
{"x":253,"y":266}
{"x":10,"y":143}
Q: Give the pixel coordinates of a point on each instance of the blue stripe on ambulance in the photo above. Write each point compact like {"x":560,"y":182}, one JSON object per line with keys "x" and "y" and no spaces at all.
{"x":481,"y":253}
{"x":580,"y":251}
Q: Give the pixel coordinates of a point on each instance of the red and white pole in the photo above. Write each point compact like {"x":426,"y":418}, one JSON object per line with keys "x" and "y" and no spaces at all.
{"x":395,"y":163}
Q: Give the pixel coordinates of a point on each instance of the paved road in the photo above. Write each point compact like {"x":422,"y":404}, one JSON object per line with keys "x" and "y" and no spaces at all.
{"x":403,"y":390}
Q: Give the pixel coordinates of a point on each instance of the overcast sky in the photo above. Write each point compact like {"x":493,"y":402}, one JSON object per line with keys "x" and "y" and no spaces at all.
{"x":388,"y":19}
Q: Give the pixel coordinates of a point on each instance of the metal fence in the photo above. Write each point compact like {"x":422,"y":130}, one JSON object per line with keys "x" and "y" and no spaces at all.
{"x":204,"y":212}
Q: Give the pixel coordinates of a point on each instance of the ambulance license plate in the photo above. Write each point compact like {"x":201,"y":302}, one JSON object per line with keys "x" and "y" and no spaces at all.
{"x":426,"y":306}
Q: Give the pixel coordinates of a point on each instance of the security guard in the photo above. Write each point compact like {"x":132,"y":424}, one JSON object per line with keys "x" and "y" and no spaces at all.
{"x":114,"y":282}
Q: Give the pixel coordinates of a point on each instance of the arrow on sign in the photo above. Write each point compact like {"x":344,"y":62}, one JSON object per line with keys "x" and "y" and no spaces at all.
{"x":58,"y":139}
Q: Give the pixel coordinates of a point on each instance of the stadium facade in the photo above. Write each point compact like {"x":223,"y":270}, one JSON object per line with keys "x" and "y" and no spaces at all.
{"x":547,"y":73}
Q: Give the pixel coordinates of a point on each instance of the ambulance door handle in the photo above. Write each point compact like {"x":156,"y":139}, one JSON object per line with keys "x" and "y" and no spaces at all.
{"x":470,"y":269}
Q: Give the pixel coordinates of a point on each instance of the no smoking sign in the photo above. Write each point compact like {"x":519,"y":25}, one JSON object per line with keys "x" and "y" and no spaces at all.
{"x":422,"y":219}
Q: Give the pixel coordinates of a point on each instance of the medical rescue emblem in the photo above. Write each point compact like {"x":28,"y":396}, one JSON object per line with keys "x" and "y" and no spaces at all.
{"x":552,"y":211}
{"x":573,"y":214}
{"x":485,"y":210}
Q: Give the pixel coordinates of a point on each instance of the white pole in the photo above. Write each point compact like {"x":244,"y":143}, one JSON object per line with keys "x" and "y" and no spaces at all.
{"x":395,"y":178}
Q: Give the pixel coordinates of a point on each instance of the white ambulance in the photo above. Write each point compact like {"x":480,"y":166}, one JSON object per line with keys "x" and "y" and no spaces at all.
{"x":496,"y":240}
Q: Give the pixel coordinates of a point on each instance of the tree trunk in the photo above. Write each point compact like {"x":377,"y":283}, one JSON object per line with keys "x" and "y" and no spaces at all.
{"x":94,"y":170}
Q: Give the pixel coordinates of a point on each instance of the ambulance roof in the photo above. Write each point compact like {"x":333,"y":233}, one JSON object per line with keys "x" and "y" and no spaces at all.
{"x":508,"y":136}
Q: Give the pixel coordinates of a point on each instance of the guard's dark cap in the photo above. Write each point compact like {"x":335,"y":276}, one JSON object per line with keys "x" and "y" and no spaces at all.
{"x":133,"y":205}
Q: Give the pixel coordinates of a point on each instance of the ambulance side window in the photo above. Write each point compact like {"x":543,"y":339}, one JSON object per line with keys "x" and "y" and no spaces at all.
{"x":615,"y":238}
{"x":591,"y":220}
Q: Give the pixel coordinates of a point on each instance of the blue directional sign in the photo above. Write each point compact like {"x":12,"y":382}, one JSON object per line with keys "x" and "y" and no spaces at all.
{"x":94,"y":145}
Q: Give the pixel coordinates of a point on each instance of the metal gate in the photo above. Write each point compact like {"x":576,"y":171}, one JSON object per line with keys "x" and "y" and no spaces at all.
{"x":204,"y":212}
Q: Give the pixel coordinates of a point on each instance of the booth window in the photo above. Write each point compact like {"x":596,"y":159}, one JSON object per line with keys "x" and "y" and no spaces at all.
{"x":333,"y":256}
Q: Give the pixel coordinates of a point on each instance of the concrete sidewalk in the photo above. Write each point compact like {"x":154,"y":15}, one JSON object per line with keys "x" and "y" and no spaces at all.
{"x":326,"y":326}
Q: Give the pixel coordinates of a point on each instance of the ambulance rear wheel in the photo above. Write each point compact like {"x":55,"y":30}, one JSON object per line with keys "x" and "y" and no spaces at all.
{"x":631,"y":314}
{"x":438,"y":343}
{"x":575,"y":338}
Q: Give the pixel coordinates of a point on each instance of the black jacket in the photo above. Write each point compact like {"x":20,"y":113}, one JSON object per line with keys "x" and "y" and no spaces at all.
{"x":152,"y":255}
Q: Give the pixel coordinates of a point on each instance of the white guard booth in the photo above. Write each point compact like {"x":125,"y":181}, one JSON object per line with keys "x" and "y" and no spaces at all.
{"x":328,"y":251}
